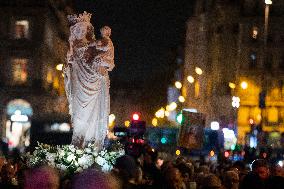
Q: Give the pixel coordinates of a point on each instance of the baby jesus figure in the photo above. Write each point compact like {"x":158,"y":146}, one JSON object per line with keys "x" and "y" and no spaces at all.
{"x":105,"y":51}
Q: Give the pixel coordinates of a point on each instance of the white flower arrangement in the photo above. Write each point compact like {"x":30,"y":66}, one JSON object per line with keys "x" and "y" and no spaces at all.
{"x":70,"y":159}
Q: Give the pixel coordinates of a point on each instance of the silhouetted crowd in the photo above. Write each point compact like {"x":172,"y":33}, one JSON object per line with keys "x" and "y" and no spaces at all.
{"x":149,"y":170}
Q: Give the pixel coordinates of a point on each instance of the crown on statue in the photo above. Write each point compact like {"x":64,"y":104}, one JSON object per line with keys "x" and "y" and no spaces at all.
{"x":84,"y":17}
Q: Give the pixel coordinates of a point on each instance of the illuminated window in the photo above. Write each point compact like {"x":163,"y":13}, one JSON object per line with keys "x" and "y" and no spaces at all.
{"x":254,"y":33}
{"x":19,"y":69}
{"x":272,"y":115}
{"x":243,"y":115}
{"x":196,"y":89}
{"x":21,"y":29}
{"x":49,"y":75}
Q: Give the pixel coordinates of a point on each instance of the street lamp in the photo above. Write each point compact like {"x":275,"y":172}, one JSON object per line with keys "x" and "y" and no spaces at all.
{"x":267,"y":3}
{"x":59,"y":67}
{"x":172,"y":106}
{"x":198,"y":70}
{"x":190,"y":79}
{"x":181,"y":99}
{"x":236,"y":102}
{"x":178,"y":84}
{"x":263,"y":91}
{"x":232,"y":85}
{"x":214,"y":125}
{"x":244,"y":85}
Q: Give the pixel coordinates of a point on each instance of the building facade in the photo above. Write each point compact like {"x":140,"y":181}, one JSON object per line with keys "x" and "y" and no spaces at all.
{"x":34,"y":42}
{"x":232,"y":51}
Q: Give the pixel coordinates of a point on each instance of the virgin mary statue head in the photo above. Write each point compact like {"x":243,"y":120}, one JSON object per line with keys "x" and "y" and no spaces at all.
{"x":81,"y":27}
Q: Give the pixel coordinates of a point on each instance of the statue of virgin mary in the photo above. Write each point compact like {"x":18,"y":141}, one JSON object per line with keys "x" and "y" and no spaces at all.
{"x":87,"y":82}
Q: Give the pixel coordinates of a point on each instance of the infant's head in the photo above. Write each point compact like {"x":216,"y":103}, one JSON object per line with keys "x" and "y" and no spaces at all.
{"x":105,"y":31}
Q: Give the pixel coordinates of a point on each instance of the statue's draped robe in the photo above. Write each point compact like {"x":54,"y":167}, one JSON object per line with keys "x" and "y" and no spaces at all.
{"x":87,"y":90}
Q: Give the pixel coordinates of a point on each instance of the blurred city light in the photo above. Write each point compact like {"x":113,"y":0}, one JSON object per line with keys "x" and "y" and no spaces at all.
{"x":179,"y":118}
{"x":135,"y":116}
{"x":178,"y":84}
{"x":198,"y":70}
{"x":168,"y":108}
{"x":154,"y":122}
{"x":59,"y":67}
{"x":111,"y":119}
{"x":236,"y":101}
{"x":181,"y":98}
{"x":190,"y":110}
{"x":232,"y":85}
{"x":127,"y":123}
{"x":255,"y":32}
{"x":167,"y":113}
{"x":190,"y":79}
{"x":177,"y":152}
{"x":268,"y":2}
{"x":244,"y":85}
{"x":226,"y":154}
{"x":252,"y":142}
{"x":18,"y":117}
{"x":160,"y":113}
{"x":228,"y":133}
{"x":163,"y":140}
{"x":215,"y":125}
{"x":172,"y":106}
{"x":251,"y":121}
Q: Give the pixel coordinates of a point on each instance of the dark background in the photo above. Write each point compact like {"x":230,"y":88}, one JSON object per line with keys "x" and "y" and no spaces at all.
{"x":146,"y":35}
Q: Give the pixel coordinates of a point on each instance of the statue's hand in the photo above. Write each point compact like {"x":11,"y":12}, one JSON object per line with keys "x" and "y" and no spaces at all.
{"x":102,"y":70}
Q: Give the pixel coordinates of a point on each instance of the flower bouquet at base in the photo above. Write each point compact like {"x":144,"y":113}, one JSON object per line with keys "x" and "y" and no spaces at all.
{"x":70,"y":160}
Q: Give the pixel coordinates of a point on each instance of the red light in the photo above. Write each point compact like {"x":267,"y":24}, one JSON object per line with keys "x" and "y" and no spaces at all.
{"x":135,"y":117}
{"x":227,"y":154}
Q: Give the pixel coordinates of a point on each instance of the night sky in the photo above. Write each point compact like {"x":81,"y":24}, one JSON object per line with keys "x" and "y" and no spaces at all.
{"x":146,"y":35}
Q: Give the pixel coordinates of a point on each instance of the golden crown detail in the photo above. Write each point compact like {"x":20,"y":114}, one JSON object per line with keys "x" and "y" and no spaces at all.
{"x":84,"y":17}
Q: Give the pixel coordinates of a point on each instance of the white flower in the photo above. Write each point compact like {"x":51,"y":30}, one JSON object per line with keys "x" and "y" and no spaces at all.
{"x":71,"y":157}
{"x":79,"y":152}
{"x":79,"y":169}
{"x":50,"y":157}
{"x":90,"y":145}
{"x":121,"y":152}
{"x":76,"y":163}
{"x":112,"y":153}
{"x":72,"y":148}
{"x":85,"y":160}
{"x":61,"y":153}
{"x":88,"y":150}
{"x":103,"y":152}
{"x":95,"y":153}
{"x":106,"y":167}
{"x":101,"y":161}
{"x":62,"y":167}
